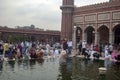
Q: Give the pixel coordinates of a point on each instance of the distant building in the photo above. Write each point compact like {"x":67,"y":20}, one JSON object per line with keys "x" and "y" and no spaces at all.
{"x":32,"y":27}
{"x":97,"y":23}
{"x":15,"y":35}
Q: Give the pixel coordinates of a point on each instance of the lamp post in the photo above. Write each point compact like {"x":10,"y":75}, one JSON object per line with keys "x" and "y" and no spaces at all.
{"x":74,"y":41}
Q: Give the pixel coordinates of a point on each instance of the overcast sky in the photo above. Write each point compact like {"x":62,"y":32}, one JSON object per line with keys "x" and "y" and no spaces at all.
{"x":44,"y":14}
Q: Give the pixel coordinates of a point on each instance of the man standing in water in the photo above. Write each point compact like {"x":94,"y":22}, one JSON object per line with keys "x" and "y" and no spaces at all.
{"x":83,"y":47}
{"x":69,"y":47}
{"x":65,"y":45}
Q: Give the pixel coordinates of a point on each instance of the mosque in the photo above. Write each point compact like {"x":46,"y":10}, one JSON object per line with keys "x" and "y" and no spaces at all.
{"x":96,"y":23}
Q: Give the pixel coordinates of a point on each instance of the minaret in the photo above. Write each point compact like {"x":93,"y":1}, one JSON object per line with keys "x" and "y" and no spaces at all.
{"x":66,"y":23}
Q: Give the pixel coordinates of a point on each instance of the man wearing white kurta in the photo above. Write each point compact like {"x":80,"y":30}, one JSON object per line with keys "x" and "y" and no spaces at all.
{"x":69,"y":46}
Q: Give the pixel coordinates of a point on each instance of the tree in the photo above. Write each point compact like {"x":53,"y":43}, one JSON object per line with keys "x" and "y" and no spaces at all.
{"x":32,"y":26}
{"x":9,"y":38}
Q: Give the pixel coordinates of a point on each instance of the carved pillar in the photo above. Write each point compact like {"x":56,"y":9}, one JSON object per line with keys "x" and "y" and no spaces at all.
{"x":83,"y":29}
{"x":110,"y":37}
{"x":113,"y":37}
{"x":83,"y":35}
{"x":96,"y":37}
{"x":110,"y":30}
{"x":96,"y":32}
{"x":74,"y":41}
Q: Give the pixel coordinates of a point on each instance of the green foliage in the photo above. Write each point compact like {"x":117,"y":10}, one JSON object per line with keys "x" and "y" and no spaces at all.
{"x":10,"y":38}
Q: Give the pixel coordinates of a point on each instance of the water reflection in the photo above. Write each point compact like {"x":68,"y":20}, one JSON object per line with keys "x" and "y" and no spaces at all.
{"x":32,"y":63}
{"x":40,"y":61}
{"x":11,"y":65}
{"x":85,"y":69}
{"x":50,"y":69}
{"x":23,"y":64}
{"x":65,"y":70}
{"x":1,"y":65}
{"x":107,"y":63}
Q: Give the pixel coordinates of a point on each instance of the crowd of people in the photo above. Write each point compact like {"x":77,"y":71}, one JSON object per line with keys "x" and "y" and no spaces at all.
{"x":27,"y":49}
{"x":39,"y":50}
{"x":107,"y":51}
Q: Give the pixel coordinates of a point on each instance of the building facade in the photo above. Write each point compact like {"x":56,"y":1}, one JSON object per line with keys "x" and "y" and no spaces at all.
{"x":15,"y":35}
{"x":97,"y":23}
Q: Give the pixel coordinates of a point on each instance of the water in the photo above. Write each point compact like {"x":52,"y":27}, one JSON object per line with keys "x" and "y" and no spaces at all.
{"x":50,"y":69}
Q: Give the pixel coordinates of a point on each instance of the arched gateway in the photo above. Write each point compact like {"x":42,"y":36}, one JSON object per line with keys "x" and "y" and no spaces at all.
{"x":116,"y":31}
{"x":103,"y":34}
{"x":90,"y":34}
{"x":95,"y":23}
{"x":78,"y":34}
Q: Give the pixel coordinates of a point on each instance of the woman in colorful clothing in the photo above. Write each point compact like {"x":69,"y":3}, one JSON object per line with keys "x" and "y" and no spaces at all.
{"x":32,"y":52}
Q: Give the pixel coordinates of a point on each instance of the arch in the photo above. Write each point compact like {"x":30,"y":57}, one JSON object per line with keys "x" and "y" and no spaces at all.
{"x":103,"y":34}
{"x":116,"y":31}
{"x":78,"y":34}
{"x":90,"y":34}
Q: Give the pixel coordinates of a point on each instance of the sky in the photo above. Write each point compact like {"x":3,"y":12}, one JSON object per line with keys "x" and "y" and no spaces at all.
{"x":44,"y":14}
